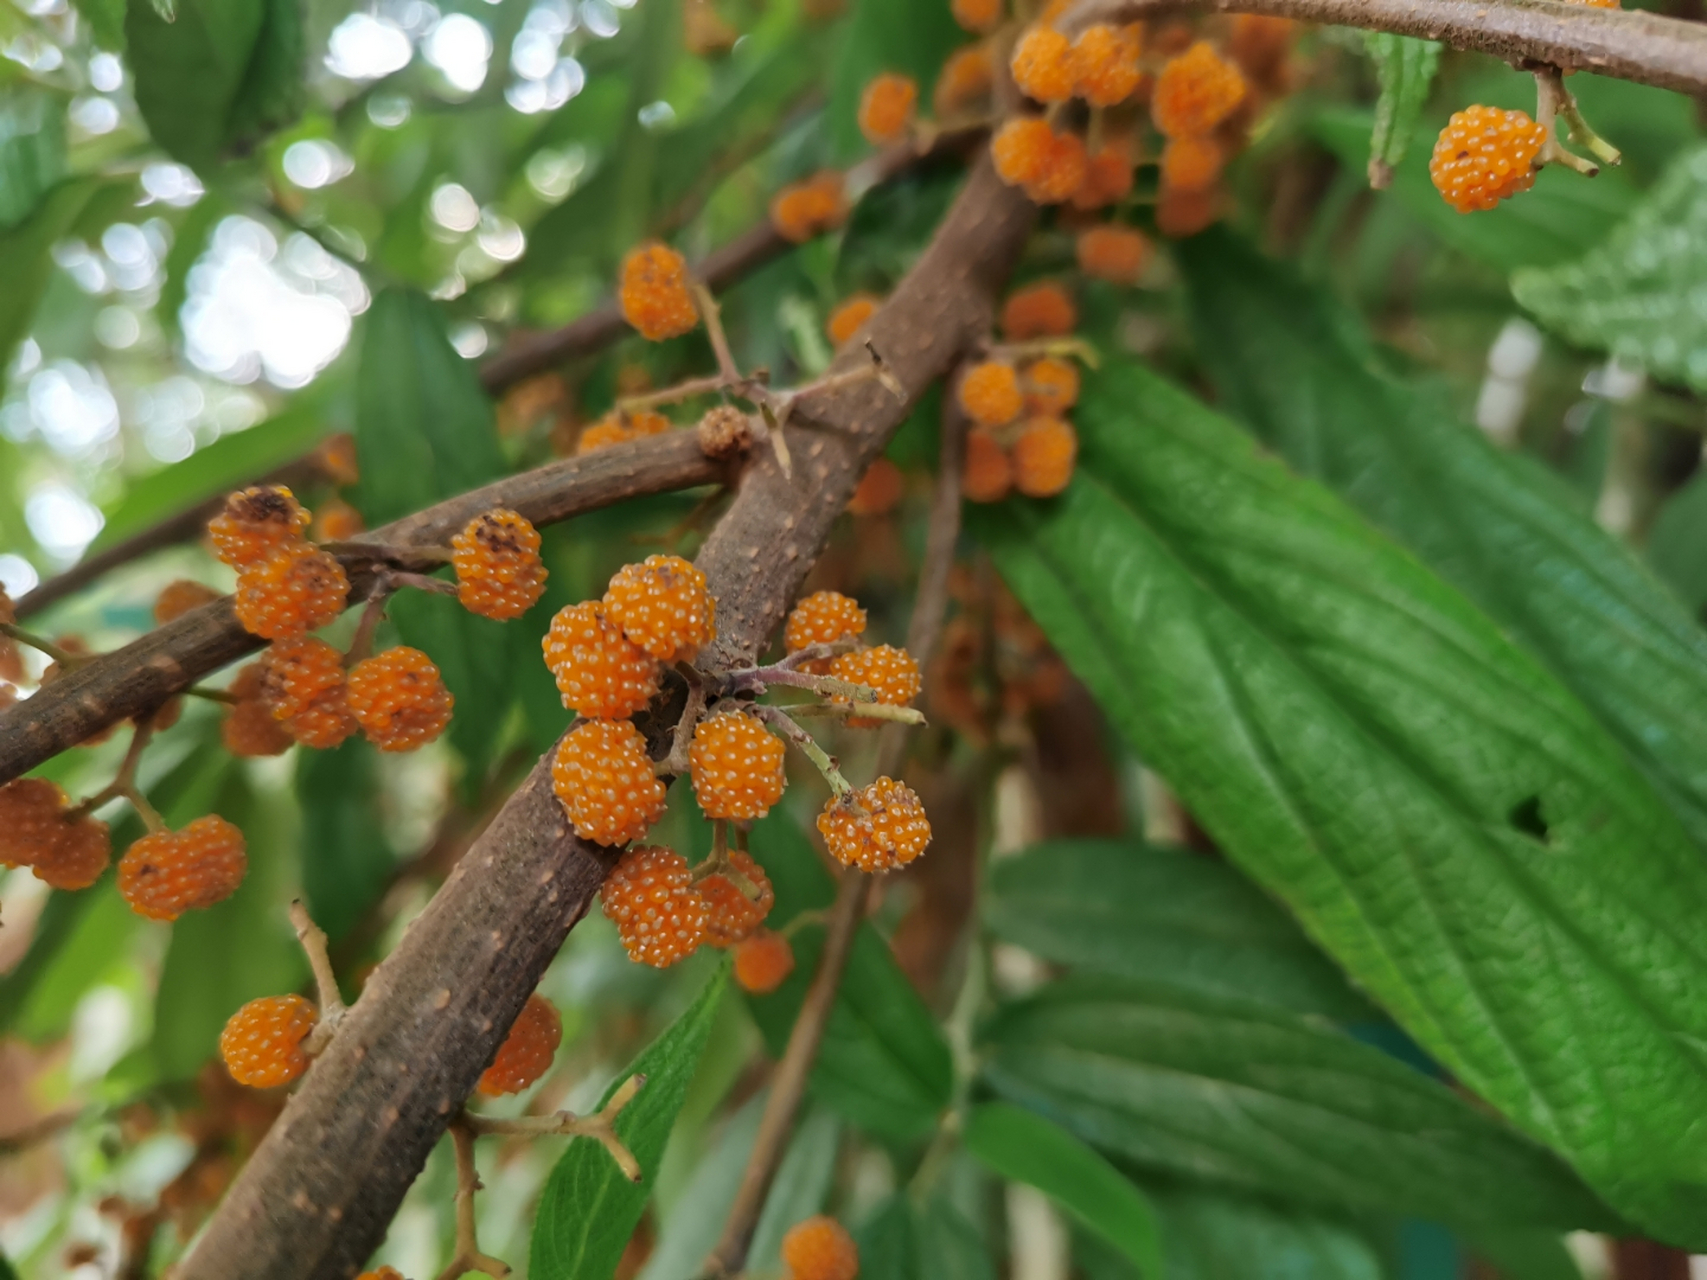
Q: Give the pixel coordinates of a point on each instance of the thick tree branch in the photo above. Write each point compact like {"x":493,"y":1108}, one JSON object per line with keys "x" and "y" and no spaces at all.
{"x":1628,"y":43}
{"x":316,"y":1197}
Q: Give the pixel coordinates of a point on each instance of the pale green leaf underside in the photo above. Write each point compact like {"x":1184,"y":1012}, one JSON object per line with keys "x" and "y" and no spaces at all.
{"x":1405,"y":67}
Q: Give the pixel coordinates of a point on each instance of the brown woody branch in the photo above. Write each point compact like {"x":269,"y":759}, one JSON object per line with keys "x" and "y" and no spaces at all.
{"x":143,"y":674}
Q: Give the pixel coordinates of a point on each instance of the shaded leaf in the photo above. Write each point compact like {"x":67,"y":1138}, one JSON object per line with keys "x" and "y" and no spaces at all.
{"x":189,"y":240}
{"x":346,"y":861}
{"x":1677,"y":543}
{"x":1525,"y":1255}
{"x":272,"y":90}
{"x":32,"y":151}
{"x":886,"y":35}
{"x":26,"y":263}
{"x":799,"y":1190}
{"x":190,"y":72}
{"x":695,"y":1221}
{"x":930,"y":1242}
{"x":106,"y":20}
{"x":1405,"y":67}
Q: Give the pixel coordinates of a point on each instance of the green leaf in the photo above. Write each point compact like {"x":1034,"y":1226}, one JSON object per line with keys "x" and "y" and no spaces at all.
{"x":189,"y":241}
{"x":1132,"y":910}
{"x":1022,"y":1146}
{"x":885,"y":35}
{"x":25,"y":261}
{"x":930,"y":1242}
{"x":1638,"y":294}
{"x":346,"y":861}
{"x":802,"y":1182}
{"x":1257,"y":1100}
{"x":1405,"y":67}
{"x":272,"y":91}
{"x":1443,"y":818}
{"x":106,"y":20}
{"x":1677,"y":543}
{"x":1293,"y":364}
{"x":589,"y":1209}
{"x":191,"y":72}
{"x":1525,"y":1255}
{"x":32,"y":151}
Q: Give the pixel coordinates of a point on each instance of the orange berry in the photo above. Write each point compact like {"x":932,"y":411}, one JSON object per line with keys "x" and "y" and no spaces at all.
{"x":1192,"y":163}
{"x":36,"y":833}
{"x":1021,"y":150}
{"x":168,"y":873}
{"x":399,"y":699}
{"x":847,"y":319}
{"x":337,"y":520}
{"x":879,"y":490}
{"x":987,"y":475}
{"x":875,"y":828}
{"x":527,"y":1051}
{"x":763,"y":962}
{"x":1185,"y":213}
{"x":650,"y":897}
{"x":178,"y":598}
{"x":1043,"y":457}
{"x":724,"y":432}
{"x":1051,"y":386}
{"x":887,"y":107}
{"x":249,"y":728}
{"x":498,"y":570}
{"x":990,"y":394}
{"x":620,"y":428}
{"x":810,"y":208}
{"x":1485,"y":155}
{"x":662,"y":605}
{"x":255,"y":523}
{"x":820,"y":1249}
{"x":655,"y":295}
{"x":600,"y":672}
{"x":730,"y":915}
{"x":604,"y":778}
{"x":384,"y":1273}
{"x":737,"y":767}
{"x":1195,"y":92}
{"x":302,"y":684}
{"x":1108,"y":177}
{"x":262,"y":1041}
{"x":1115,"y":254}
{"x":1105,"y":64}
{"x":1042,"y":64}
{"x":295,"y":590}
{"x":336,"y":457}
{"x":1038,"y":311}
{"x":892,"y":673}
{"x":977,"y":15}
{"x":965,"y":78}
{"x":1064,"y":169}
{"x":823,"y":617}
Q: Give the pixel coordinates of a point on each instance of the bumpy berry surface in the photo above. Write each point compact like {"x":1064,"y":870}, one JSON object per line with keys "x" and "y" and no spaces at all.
{"x":658,"y":914}
{"x":1062,"y":176}
{"x":34,"y":833}
{"x":1185,"y":213}
{"x":1192,"y":163}
{"x":655,"y":295}
{"x":178,"y":598}
{"x":498,"y":571}
{"x":255,"y":523}
{"x":1043,"y":457}
{"x":1105,"y":64}
{"x":170,"y":872}
{"x":249,"y":728}
{"x":1115,"y":254}
{"x":1051,"y":385}
{"x":336,"y":520}
{"x":1021,"y":150}
{"x":77,"y":859}
{"x":987,"y":475}
{"x":810,"y":208}
{"x":399,"y":699}
{"x":886,"y":107}
{"x":293,"y":591}
{"x":893,"y":673}
{"x":604,"y":778}
{"x":262,"y":1041}
{"x":1484,"y":155}
{"x":730,"y":914}
{"x":823,"y":617}
{"x":527,"y":1051}
{"x":1108,"y":176}
{"x":1038,"y":311}
{"x":302,"y":685}
{"x":820,"y":1249}
{"x":737,"y":767}
{"x":990,"y":394}
{"x":599,"y":671}
{"x":724,"y":432}
{"x":763,"y":962}
{"x":879,"y":490}
{"x":891,"y":831}
{"x":620,"y":428}
{"x":1195,"y":92}
{"x":965,"y":78}
{"x":662,"y":605}
{"x":1042,"y":64}
{"x":977,"y":15}
{"x":845,"y":320}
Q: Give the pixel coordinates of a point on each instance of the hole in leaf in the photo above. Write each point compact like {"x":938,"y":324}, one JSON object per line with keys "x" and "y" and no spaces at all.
{"x":1526,"y":817}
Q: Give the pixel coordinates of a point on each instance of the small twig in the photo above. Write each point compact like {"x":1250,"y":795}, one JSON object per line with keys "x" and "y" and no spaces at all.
{"x":313,"y":940}
{"x":468,"y":1256}
{"x":361,"y":643}
{"x":719,"y":864}
{"x":124,"y":783}
{"x":804,"y":920}
{"x":1550,"y":98}
{"x":808,"y":746}
{"x":212,"y":695}
{"x":864,"y":711}
{"x":710,"y":384}
{"x":677,"y":762}
{"x":813,"y":653}
{"x":757,"y":679}
{"x":356,"y":549}
{"x":729,"y":372}
{"x":67,"y":660}
{"x":1032,"y":348}
{"x":601,"y":1127}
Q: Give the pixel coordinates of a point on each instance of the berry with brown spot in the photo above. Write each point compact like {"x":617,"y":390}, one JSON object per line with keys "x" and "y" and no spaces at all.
{"x":1043,"y":457}
{"x":179,"y":597}
{"x":737,"y":767}
{"x":249,"y":727}
{"x":730,"y":915}
{"x":887,"y":107}
{"x":1116,"y":254}
{"x":987,"y":475}
{"x":1105,"y":63}
{"x":724,"y":432}
{"x":1195,"y":92}
{"x":763,"y":962}
{"x":527,"y":1051}
{"x":847,"y":319}
{"x":1485,"y":155}
{"x":399,"y":699}
{"x":1042,"y":64}
{"x":1051,"y":386}
{"x":337,"y":520}
{"x":990,"y":394}
{"x":1038,"y":311}
{"x":824,"y":617}
{"x":168,"y":873}
{"x":876,"y":828}
{"x":1021,"y":150}
{"x":893,"y":674}
{"x":600,"y":672}
{"x":35,"y":832}
{"x":499,"y":574}
{"x":662,"y":605}
{"x":650,"y":897}
{"x":977,"y":15}
{"x":820,"y":1249}
{"x":879,"y":490}
{"x":655,"y":295}
{"x":262,"y":1042}
{"x":295,"y":590}
{"x":807,"y":209}
{"x":965,"y":79}
{"x":255,"y":523}
{"x":1192,"y":163}
{"x":605,"y":781}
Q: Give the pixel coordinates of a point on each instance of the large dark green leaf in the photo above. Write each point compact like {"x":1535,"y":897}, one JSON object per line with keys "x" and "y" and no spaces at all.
{"x":271,"y":92}
{"x":346,"y":861}
{"x":589,"y":1209}
{"x":1232,"y":1093}
{"x":190,"y":72}
{"x":1136,"y":911}
{"x":32,"y":151}
{"x":1292,"y":364}
{"x":934,"y":1241}
{"x":1455,"y":828}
